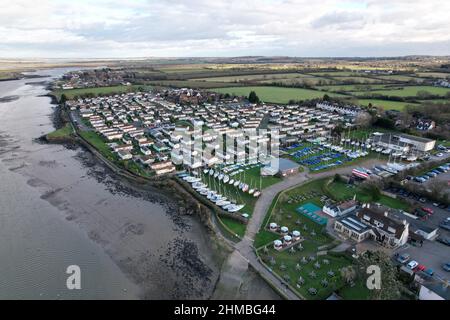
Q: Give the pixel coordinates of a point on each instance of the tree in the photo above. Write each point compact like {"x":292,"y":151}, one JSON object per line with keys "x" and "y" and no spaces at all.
{"x":348,"y":274}
{"x":253,"y":98}
{"x":363,"y":119}
{"x":63,"y":99}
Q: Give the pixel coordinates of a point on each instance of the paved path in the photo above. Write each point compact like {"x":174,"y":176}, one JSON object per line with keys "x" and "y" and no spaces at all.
{"x":245,"y":247}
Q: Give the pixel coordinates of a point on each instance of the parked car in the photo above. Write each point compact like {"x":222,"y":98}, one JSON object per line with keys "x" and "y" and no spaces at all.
{"x":423,"y":200}
{"x":403,"y":258}
{"x":440,"y":154}
{"x":445,"y":224}
{"x":443,"y":240}
{"x":412,"y":264}
{"x":420,"y":267}
{"x":427,"y":210}
{"x":429,"y":272}
{"x":435,"y":204}
{"x":446,"y":266}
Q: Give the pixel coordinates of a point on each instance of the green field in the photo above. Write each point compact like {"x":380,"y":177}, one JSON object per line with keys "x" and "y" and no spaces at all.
{"x":275,"y":94}
{"x":410,"y":91}
{"x":385,"y":104}
{"x":334,"y":73}
{"x":438,"y":75}
{"x":402,"y":78}
{"x":72,"y":93}
{"x":358,"y":79}
{"x":61,"y":133}
{"x":340,"y":191}
{"x":252,"y":77}
{"x":191,"y":84}
{"x":353,"y":87}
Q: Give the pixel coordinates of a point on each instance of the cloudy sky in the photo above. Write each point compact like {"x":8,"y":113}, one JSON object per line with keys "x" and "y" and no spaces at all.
{"x":144,"y":28}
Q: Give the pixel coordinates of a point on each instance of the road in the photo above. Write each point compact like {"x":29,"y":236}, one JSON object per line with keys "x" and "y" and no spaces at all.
{"x":245,"y":249}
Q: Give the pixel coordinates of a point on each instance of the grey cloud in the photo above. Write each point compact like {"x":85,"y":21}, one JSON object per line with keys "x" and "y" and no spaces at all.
{"x":340,"y":20}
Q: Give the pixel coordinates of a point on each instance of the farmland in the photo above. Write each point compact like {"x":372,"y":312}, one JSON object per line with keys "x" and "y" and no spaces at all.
{"x":276,"y":82}
{"x":275,"y":94}
{"x":410,"y":91}
{"x":385,"y":104}
{"x":72,"y":93}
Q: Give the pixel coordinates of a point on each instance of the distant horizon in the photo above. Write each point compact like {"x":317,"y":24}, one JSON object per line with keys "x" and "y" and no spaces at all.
{"x":219,"y":57}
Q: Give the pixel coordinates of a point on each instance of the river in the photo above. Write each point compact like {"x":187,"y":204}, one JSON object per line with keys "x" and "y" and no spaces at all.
{"x":59,"y":207}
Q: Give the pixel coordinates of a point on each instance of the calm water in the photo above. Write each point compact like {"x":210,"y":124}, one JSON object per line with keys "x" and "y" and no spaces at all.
{"x":60,"y":207}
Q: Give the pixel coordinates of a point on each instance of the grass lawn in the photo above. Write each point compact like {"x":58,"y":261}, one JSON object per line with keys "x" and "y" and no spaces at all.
{"x":275,"y":94}
{"x":72,"y":93}
{"x":61,"y":133}
{"x":357,"y":292}
{"x":340,"y":191}
{"x":252,"y":178}
{"x":235,"y":226}
{"x":286,"y":267}
{"x":99,"y":143}
{"x":283,"y":212}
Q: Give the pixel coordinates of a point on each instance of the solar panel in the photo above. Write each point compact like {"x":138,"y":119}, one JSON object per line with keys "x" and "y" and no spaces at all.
{"x":351,"y":225}
{"x":357,"y":222}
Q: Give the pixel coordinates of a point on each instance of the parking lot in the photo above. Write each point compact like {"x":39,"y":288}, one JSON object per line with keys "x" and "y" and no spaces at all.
{"x":432,"y":255}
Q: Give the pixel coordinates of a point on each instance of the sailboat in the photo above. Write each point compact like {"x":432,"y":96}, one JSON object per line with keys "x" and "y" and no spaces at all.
{"x":235,"y":207}
{"x":252,"y":190}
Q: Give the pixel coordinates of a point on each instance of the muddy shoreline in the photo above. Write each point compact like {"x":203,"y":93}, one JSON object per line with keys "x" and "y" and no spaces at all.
{"x":182,"y":257}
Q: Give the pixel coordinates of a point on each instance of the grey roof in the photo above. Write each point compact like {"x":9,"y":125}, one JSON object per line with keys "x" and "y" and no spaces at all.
{"x":352,"y":222}
{"x":286,"y":164}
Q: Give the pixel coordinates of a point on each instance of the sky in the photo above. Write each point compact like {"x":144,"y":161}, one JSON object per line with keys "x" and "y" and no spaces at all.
{"x":221,"y":28}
